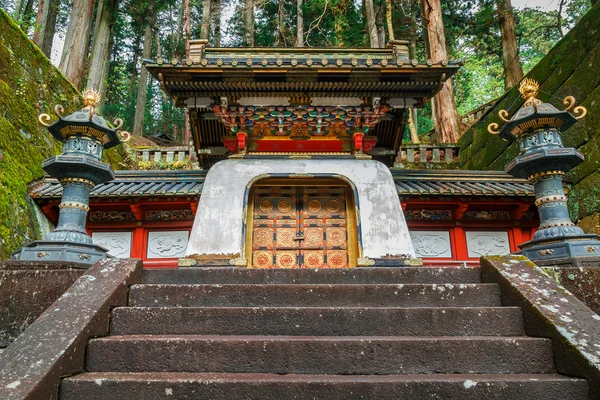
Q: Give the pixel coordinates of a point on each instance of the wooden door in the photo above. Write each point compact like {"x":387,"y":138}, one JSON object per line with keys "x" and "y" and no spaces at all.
{"x":300,"y":227}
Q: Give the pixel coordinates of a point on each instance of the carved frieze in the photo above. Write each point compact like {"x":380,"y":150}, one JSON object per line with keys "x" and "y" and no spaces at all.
{"x":167,"y":244}
{"x":117,"y":243}
{"x":428,"y":214}
{"x":111,"y":216}
{"x":431,"y":244}
{"x":169,"y":215}
{"x":482,"y":215}
{"x":483,"y":243}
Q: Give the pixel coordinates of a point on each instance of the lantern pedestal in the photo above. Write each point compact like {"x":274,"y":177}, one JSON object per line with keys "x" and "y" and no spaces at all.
{"x":561,"y":247}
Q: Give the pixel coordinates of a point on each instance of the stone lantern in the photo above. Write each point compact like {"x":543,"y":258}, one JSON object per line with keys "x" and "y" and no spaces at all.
{"x":543,"y":161}
{"x":79,"y":168}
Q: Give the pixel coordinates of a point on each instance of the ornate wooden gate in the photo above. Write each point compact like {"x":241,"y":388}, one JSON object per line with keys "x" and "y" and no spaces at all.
{"x":300,"y":227}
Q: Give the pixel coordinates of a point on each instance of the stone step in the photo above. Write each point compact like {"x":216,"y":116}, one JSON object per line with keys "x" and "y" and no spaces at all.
{"x":301,"y":295}
{"x":190,"y":275}
{"x":361,"y":355}
{"x":188,"y":386}
{"x":331,"y":321}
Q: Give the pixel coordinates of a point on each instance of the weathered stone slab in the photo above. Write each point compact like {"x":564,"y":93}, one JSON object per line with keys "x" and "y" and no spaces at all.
{"x":549,"y":310}
{"x":27,"y":289}
{"x":54,"y":345}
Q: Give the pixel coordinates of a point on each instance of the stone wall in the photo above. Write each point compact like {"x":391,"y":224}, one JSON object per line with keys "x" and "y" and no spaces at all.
{"x":27,"y":289}
{"x":570,"y":69}
{"x":29,"y":85}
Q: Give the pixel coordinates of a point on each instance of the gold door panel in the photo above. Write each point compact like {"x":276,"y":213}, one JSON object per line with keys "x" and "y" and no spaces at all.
{"x":300,"y":227}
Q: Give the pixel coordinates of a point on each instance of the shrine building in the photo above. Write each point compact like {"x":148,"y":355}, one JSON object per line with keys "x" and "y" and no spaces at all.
{"x":297,"y":149}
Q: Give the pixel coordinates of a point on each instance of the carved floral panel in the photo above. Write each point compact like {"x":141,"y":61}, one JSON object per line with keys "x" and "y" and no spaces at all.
{"x":483,"y":243}
{"x":432,"y":244}
{"x":167,"y":244}
{"x":117,"y":243}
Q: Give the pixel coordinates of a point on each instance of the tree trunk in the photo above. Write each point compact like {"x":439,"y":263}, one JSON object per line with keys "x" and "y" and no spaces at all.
{"x":280,"y":40}
{"x":19,"y":8}
{"x":133,"y":75}
{"x":46,"y":25}
{"x":101,"y":43}
{"x":371,"y":24}
{"x":445,"y":117}
{"x":248,"y":11}
{"x":76,"y":45}
{"x":140,"y":105}
{"x":388,"y":19}
{"x":513,"y":73}
{"x":217,"y":26}
{"x":299,"y":24}
{"x":188,"y":28}
{"x":205,"y":25}
{"x":412,"y":126}
{"x":380,"y":21}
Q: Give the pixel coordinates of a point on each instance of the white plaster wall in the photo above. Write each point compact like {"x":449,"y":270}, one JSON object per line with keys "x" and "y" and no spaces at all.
{"x":218,"y":224}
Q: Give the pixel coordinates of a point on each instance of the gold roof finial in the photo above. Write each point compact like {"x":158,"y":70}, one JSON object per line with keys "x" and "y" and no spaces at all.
{"x":529,"y":88}
{"x":91,"y":98}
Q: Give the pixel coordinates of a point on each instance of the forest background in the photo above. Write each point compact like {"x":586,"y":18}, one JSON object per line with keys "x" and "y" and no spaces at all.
{"x":106,"y":41}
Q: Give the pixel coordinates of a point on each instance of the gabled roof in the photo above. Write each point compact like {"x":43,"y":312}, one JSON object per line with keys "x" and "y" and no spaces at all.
{"x":319,"y":72}
{"x":409,"y":183}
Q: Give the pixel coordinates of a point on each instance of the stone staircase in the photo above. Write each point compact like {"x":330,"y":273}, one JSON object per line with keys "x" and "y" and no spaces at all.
{"x":365,"y":333}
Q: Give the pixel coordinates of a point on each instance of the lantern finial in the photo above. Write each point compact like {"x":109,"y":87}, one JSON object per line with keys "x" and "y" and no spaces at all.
{"x":91,"y":98}
{"x":529,"y":88}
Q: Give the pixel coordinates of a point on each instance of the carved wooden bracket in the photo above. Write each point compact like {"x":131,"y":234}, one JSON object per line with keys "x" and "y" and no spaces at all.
{"x":137,"y":211}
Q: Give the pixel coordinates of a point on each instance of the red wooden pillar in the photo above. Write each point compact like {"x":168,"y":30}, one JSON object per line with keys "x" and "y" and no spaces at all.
{"x":137,"y":243}
{"x":460,"y":241}
{"x":518,"y":238}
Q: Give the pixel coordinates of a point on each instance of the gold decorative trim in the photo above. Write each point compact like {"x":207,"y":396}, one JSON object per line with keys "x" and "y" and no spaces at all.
{"x":345,"y":179}
{"x":87,"y":182}
{"x":545,"y":173}
{"x":580,"y":110}
{"x":414,"y":262}
{"x":75,"y":204}
{"x":256,"y":178}
{"x":238,"y":262}
{"x":301,"y":176}
{"x":364,"y":262}
{"x":492,"y":128}
{"x":550,"y":199}
{"x":186,"y":262}
{"x":558,"y":224}
{"x":45,"y":119}
{"x":503,"y":114}
{"x":569,"y":101}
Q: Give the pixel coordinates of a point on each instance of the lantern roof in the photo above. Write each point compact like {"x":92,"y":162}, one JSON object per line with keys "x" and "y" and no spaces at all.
{"x":84,"y":122}
{"x":535,"y":114}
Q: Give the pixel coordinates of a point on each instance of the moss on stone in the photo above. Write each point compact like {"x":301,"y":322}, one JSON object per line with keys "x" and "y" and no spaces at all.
{"x":29,"y":85}
{"x":584,"y":198}
{"x":569,"y":69}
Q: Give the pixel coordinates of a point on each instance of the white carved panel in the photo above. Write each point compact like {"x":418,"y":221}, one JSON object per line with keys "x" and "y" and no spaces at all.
{"x":431,"y":244}
{"x":167,"y":244}
{"x":482,"y":243}
{"x":117,"y":243}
